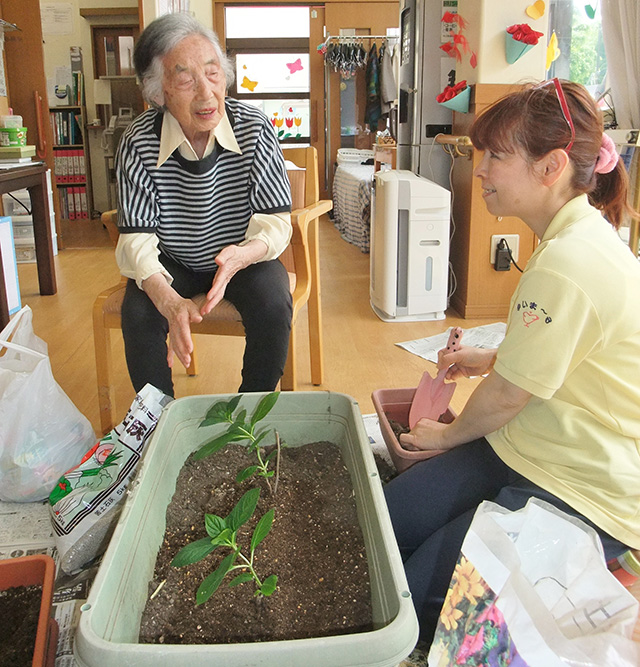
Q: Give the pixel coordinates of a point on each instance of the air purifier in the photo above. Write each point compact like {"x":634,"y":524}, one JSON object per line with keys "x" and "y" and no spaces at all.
{"x":409,"y":247}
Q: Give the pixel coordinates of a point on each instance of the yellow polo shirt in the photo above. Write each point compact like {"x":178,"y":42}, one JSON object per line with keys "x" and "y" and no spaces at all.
{"x":573,"y":341}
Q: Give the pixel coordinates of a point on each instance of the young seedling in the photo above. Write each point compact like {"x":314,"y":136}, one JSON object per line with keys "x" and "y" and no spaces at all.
{"x":240,"y":429}
{"x":223,"y":533}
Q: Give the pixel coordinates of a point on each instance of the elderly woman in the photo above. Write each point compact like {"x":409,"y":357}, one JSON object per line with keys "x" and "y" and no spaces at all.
{"x":203,"y":207}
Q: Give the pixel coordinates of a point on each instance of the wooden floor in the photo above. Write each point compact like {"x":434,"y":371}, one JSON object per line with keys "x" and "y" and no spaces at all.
{"x":360,"y":350}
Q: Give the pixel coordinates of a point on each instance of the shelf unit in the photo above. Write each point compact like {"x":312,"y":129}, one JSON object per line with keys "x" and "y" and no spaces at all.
{"x":72,"y":161}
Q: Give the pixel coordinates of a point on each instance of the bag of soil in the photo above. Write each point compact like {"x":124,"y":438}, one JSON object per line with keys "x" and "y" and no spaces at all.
{"x":86,"y":502}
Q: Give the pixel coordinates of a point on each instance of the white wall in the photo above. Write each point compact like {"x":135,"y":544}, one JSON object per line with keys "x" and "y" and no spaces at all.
{"x":488,"y":20}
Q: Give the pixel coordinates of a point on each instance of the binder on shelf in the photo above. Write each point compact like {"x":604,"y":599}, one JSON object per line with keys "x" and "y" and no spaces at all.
{"x":77,"y":202}
{"x":71,"y":203}
{"x":84,"y":206}
{"x":75,"y":157}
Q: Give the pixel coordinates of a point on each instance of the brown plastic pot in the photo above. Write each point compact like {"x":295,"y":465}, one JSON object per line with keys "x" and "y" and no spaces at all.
{"x":38,"y":570}
{"x":394,"y":404}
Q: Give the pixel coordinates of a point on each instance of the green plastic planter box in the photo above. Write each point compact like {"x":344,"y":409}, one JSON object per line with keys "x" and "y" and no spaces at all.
{"x":108,"y":631}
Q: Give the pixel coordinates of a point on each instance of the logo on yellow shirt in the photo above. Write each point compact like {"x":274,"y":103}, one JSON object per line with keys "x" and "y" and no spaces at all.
{"x":532,"y":312}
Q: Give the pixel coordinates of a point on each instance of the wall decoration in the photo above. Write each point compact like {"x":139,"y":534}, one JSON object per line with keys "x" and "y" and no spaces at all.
{"x":248,"y":84}
{"x":455,"y":97}
{"x":295,"y":66}
{"x":458,"y":44}
{"x":553,"y":52}
{"x":536,"y":10}
{"x":284,"y":124}
{"x":519,"y":39}
{"x":591,"y":10}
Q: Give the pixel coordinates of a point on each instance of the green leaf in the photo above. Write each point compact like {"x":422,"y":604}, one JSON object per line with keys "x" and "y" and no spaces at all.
{"x":269,"y":473}
{"x":264,"y":407}
{"x":224,"y":538}
{"x":271,"y":455}
{"x":211,"y":584}
{"x":193,"y":552}
{"x":262,"y":529}
{"x":241,"y":579}
{"x":214,"y":445}
{"x":246,"y":473}
{"x":269,"y":585}
{"x":222,"y":411}
{"x":244,"y":509}
{"x":214,"y":524}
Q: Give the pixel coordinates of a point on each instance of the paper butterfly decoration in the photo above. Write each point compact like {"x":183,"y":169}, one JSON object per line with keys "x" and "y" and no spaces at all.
{"x":248,"y":84}
{"x":295,"y":66}
{"x":591,"y":10}
{"x":553,"y":52}
{"x":536,"y":10}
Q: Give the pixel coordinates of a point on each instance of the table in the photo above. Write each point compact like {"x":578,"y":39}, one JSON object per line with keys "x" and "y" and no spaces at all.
{"x":33,"y":177}
{"x":384,"y":153}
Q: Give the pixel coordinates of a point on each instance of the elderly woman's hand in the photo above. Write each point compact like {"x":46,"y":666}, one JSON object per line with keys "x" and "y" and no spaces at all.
{"x":179,"y":313}
{"x":230,"y":260}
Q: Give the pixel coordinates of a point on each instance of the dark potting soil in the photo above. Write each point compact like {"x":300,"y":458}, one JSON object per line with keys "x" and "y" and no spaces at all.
{"x":19,"y":611}
{"x":398,"y":428}
{"x":315,"y":547}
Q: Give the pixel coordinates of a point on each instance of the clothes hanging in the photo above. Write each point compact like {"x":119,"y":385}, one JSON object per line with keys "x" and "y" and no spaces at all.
{"x":373,"y":110}
{"x":388,"y":87}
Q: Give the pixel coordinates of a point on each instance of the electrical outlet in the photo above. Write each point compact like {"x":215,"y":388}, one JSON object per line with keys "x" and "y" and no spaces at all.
{"x":513,"y":240}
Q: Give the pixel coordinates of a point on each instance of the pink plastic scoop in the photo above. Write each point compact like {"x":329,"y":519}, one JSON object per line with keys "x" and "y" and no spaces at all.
{"x":433,"y":396}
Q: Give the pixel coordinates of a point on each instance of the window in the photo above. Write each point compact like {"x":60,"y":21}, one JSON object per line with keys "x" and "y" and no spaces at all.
{"x":578,"y":27}
{"x":269,"y":47}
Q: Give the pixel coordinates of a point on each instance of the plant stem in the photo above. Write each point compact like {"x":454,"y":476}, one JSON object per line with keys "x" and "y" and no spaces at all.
{"x":275,"y":486}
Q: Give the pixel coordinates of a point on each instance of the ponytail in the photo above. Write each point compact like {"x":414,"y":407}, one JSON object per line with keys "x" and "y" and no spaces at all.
{"x":610,"y":195}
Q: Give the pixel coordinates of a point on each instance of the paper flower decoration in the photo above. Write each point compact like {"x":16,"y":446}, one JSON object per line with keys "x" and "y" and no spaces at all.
{"x":520,"y":38}
{"x":455,"y":97}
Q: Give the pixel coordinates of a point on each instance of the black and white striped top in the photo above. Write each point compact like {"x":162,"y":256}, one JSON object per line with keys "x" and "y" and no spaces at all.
{"x":196,"y":208}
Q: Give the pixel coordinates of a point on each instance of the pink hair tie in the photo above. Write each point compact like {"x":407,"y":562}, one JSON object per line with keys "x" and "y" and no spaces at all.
{"x":608,"y":156}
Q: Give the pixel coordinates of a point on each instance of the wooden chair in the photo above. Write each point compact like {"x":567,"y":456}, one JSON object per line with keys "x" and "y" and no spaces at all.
{"x":301,"y":260}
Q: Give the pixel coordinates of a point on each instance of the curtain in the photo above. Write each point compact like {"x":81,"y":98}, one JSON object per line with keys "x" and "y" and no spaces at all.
{"x":621,"y":31}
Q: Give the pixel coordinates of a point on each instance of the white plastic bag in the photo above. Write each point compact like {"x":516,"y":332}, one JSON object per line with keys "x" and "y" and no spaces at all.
{"x":531,"y":588}
{"x":42,"y":433}
{"x":85,"y":503}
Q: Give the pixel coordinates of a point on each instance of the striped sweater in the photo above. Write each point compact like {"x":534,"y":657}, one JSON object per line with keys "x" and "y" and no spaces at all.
{"x":196,"y":208}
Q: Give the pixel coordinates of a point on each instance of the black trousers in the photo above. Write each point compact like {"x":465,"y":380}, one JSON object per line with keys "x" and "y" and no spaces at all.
{"x":432,"y":504}
{"x":260,"y":293}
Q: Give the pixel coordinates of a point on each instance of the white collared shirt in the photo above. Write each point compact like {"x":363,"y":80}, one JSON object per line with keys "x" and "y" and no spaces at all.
{"x":137,"y":253}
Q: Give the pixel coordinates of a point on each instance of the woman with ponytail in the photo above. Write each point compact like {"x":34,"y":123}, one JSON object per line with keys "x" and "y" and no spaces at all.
{"x":557,"y":415}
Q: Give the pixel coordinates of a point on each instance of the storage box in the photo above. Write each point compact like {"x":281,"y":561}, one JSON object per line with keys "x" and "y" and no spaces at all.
{"x":17,"y":203}
{"x":107,"y":635}
{"x":38,"y":570}
{"x":25,"y":250}
{"x":13,"y":136}
{"x":394,"y":404}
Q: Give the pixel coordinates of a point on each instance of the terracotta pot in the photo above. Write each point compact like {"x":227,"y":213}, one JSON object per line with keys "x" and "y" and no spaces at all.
{"x":394,"y":404}
{"x":38,"y":570}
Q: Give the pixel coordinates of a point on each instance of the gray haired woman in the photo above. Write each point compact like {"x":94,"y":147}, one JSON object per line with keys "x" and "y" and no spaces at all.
{"x":203,"y":207}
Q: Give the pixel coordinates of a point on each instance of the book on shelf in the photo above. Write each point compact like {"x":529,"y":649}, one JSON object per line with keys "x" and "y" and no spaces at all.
{"x":15,"y":160}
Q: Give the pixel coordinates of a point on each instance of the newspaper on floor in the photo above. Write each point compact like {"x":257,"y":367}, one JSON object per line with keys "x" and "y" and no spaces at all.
{"x":485,"y":336}
{"x":372,"y":427}
{"x":25,"y":530}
